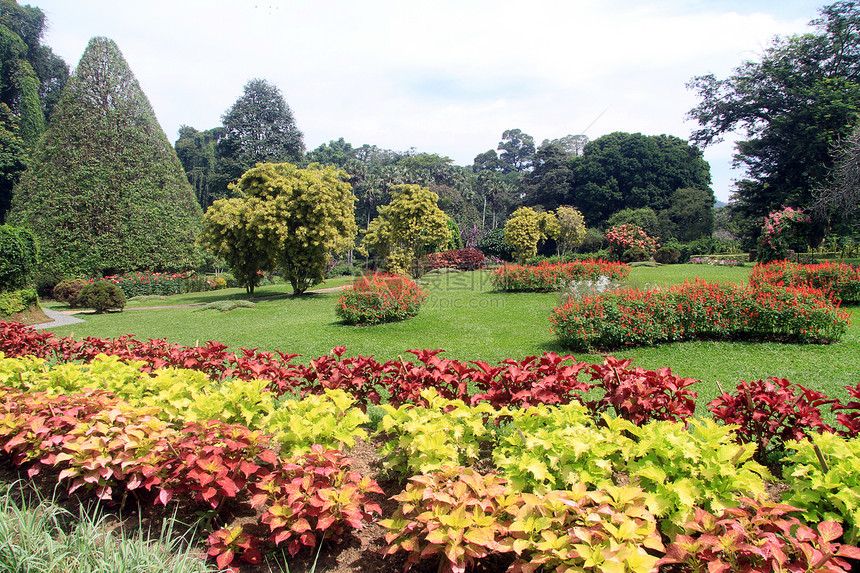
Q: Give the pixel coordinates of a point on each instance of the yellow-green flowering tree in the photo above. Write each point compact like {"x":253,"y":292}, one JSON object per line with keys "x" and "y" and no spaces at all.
{"x":406,"y":229}
{"x":526,"y":228}
{"x":571,"y":228}
{"x":284,"y":217}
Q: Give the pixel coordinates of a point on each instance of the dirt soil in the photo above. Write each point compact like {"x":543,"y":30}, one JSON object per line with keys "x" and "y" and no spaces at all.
{"x":33,"y":315}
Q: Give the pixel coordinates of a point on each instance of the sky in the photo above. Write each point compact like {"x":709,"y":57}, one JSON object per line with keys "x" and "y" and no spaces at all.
{"x":440,"y":76}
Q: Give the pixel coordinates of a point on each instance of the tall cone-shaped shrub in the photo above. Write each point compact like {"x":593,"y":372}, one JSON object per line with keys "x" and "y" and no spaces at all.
{"x":105,"y":192}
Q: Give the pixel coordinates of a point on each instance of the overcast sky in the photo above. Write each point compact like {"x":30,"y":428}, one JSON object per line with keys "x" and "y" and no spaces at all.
{"x":445,"y":77}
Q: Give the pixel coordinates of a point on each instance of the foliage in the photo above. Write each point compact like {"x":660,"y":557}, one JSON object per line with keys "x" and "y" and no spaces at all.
{"x":67,"y":291}
{"x":373,"y":299}
{"x":149,"y":283}
{"x":760,"y":536}
{"x":14,"y":301}
{"x":105,"y":192}
{"x":571,"y":229}
{"x":330,"y":420}
{"x":580,"y":530}
{"x":667,"y":255}
{"x":454,"y":513}
{"x":19,"y":257}
{"x":781,"y":230}
{"x":838,"y":280}
{"x":823,"y":473}
{"x":101,"y":296}
{"x":425,"y":438}
{"x":13,"y":157}
{"x":196,"y":152}
{"x":525,"y":229}
{"x":549,"y":277}
{"x":697,"y":310}
{"x":407,"y":228}
{"x":787,"y":151}
{"x":691,"y":214}
{"x":258,"y":128}
{"x":493,"y":244}
{"x":627,"y":236}
{"x":469,"y":259}
{"x":631,"y":170}
{"x":769,"y":413}
{"x":288,"y":217}
{"x":838,"y":200}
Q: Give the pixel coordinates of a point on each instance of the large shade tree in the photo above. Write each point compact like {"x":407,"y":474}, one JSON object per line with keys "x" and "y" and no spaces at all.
{"x":106,"y":192}
{"x":791,"y":105}
{"x":286,"y":217}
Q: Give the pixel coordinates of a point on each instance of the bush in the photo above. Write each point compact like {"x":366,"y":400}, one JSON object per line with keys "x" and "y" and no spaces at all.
{"x":667,"y":255}
{"x":493,"y":245}
{"x":838,"y":280}
{"x":101,"y":296}
{"x":634,"y":255}
{"x":374,"y":299}
{"x":546,"y":277}
{"x":143,"y":283}
{"x":697,"y":310}
{"x":19,"y":257}
{"x":69,"y":290}
{"x":17,"y":301}
{"x":461,"y":259}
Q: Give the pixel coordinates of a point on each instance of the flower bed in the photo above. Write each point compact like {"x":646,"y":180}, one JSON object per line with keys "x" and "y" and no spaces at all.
{"x":373,"y":299}
{"x":838,"y":280}
{"x":546,"y":277}
{"x":723,"y":262}
{"x":697,"y":310}
{"x":461,"y":259}
{"x":145,"y":283}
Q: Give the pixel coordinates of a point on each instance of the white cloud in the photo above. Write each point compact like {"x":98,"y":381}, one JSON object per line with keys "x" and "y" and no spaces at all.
{"x":447,"y":76}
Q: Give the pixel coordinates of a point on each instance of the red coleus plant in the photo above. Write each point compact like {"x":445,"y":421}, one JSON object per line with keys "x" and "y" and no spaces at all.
{"x":760,"y":536}
{"x":229,"y":546}
{"x":314,"y":495}
{"x":769,"y":412}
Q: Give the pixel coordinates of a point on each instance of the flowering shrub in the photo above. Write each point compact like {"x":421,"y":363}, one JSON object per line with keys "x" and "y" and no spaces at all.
{"x":553,"y":276}
{"x":839,"y":280}
{"x":462,"y":259}
{"x":697,"y":310}
{"x":373,"y":299}
{"x":781,"y":229}
{"x":137,"y":284}
{"x":629,"y":236}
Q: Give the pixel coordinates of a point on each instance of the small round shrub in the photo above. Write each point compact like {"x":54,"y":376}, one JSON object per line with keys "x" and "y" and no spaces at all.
{"x":101,"y":296}
{"x":69,"y":290}
{"x":634,"y":254}
{"x":373,"y":299}
{"x":220,"y":282}
{"x":667,"y":255}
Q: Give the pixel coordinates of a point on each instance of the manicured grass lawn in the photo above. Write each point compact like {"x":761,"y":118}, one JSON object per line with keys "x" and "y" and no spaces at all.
{"x":471,"y":322}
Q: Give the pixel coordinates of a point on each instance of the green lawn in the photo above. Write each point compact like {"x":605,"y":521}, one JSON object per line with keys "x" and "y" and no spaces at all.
{"x":471,"y":322}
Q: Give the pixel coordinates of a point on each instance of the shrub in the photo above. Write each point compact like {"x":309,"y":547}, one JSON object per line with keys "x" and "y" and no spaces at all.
{"x":634,"y":255}
{"x":68,"y":291}
{"x":462,"y":259}
{"x":783,"y":230}
{"x":19,"y":256}
{"x":697,"y":310}
{"x":553,"y":276}
{"x":667,"y":255}
{"x":17,"y":301}
{"x":493,"y":245}
{"x":374,"y":299}
{"x":839,"y":280}
{"x":143,"y":283}
{"x":629,"y":236}
{"x":101,"y":296}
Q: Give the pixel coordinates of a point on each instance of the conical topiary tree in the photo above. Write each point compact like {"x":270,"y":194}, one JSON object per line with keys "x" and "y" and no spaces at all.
{"x":105,"y":191}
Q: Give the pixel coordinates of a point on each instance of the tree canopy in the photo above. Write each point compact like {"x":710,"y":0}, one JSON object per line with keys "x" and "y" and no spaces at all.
{"x":792,"y":104}
{"x":258,"y":128}
{"x":106,"y":192}
{"x":286,"y":217}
